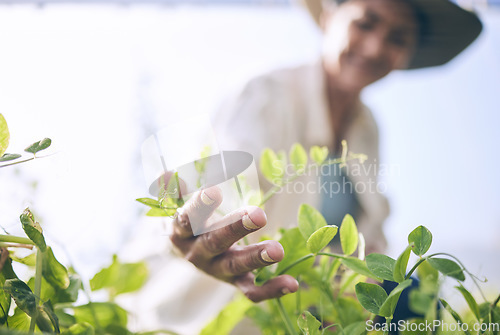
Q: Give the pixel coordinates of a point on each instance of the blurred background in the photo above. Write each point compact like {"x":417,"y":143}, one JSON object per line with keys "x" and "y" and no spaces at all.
{"x":99,"y":77}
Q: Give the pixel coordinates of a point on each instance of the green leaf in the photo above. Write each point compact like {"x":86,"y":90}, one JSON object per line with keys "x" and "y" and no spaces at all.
{"x":4,"y":135}
{"x":9,"y":157}
{"x":29,"y":260}
{"x":348,"y":235}
{"x":309,"y":324}
{"x":381,"y":265}
{"x":359,"y":266}
{"x":401,"y":264}
{"x":454,"y":314}
{"x":447,"y":267}
{"x":120,"y":278}
{"x":309,"y":220}
{"x":470,"y":301}
{"x":349,"y":311}
{"x":271,"y":167}
{"x":107,"y":314}
{"x":421,"y":238}
{"x":47,"y":290}
{"x":318,"y":154}
{"x":65,"y":320}
{"x":228,"y":318}
{"x":83,"y":328}
{"x":70,"y":294}
{"x":298,"y":157}
{"x":54,"y":272}
{"x":419,"y":302}
{"x":320,"y":238}
{"x":22,"y":295}
{"x":294,"y":246}
{"x":39,"y":146}
{"x":160,"y":212}
{"x":33,"y":229}
{"x":428,"y":277}
{"x":370,"y":296}
{"x":47,"y":320}
{"x":19,"y":321}
{"x":357,"y":328}
{"x":149,"y":202}
{"x":389,"y":306}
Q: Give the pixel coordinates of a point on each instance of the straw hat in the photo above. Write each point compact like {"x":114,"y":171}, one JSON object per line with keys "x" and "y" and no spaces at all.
{"x":447,"y":30}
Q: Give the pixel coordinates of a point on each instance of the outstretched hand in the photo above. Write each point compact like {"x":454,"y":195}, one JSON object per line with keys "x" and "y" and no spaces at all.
{"x":216,"y":252}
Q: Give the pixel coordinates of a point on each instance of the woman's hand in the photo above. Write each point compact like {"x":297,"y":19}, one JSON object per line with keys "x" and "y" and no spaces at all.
{"x":215,"y":252}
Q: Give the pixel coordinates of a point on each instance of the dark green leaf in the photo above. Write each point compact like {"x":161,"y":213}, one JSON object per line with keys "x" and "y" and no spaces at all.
{"x":309,"y":324}
{"x":39,"y":146}
{"x":107,"y":313}
{"x":298,"y":157}
{"x":54,"y":272}
{"x":470,"y":301}
{"x":421,"y":238}
{"x":4,"y":135}
{"x":228,"y":318}
{"x":348,"y":235}
{"x":381,"y":265}
{"x":22,"y":295}
{"x":318,"y":154}
{"x":46,"y":319}
{"x":120,"y":278}
{"x":83,"y":328}
{"x":271,"y":166}
{"x":370,"y":296}
{"x":69,"y":294}
{"x":389,"y":306}
{"x":359,"y":266}
{"x":447,"y":267}
{"x":9,"y":157}
{"x":33,"y":229}
{"x":309,"y":220}
{"x":5,"y":299}
{"x":295,"y":247}
{"x":401,"y":264}
{"x":65,"y":319}
{"x":321,"y":237}
{"x":149,"y":202}
{"x":453,"y":314}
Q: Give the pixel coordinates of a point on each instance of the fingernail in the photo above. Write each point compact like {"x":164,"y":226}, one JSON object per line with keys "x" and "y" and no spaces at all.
{"x":206,"y":199}
{"x":286,"y":291}
{"x":265,"y":256}
{"x":248,"y":223}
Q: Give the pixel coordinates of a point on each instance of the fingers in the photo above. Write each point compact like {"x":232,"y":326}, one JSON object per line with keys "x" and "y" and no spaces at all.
{"x":274,"y":288}
{"x":234,"y":227}
{"x":196,"y":211}
{"x":238,"y":261}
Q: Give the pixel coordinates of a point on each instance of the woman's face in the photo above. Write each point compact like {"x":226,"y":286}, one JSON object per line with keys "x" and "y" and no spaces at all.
{"x":364,"y":40}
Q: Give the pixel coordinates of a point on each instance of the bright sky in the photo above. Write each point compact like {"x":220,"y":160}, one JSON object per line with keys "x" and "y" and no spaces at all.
{"x":99,"y":80}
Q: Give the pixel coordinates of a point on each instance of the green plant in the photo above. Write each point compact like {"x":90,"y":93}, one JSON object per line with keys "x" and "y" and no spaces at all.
{"x":47,"y":302}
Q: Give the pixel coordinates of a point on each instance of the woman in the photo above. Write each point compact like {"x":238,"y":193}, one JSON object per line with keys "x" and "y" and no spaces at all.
{"x":318,"y":104}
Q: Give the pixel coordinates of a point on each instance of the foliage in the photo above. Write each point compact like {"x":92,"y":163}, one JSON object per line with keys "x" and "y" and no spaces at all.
{"x":329,"y":281}
{"x":47,"y":302}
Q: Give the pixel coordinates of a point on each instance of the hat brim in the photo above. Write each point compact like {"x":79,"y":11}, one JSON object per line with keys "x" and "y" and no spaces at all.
{"x":448,"y":30}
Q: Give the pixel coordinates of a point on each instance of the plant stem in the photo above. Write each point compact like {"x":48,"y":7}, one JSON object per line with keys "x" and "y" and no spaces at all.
{"x":420,"y":261}
{"x":15,"y":245}
{"x":286,"y":318}
{"x":15,"y":239}
{"x":298,"y":261}
{"x":38,"y":286}
{"x":495,"y":302}
{"x":19,"y":162}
